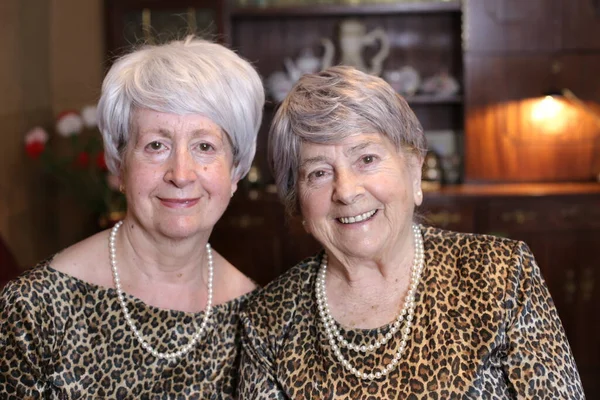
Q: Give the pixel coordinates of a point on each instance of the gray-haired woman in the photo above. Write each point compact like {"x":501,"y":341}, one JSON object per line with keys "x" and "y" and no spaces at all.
{"x":390,"y":309}
{"x":147,"y":309}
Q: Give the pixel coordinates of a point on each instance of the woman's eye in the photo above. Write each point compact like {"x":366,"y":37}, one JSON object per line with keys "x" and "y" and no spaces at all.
{"x":205,"y":147}
{"x":155,"y":145}
{"x":316,"y":174}
{"x":368,"y":159}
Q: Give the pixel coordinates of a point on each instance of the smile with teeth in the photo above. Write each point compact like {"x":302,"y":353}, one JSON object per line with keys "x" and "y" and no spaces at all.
{"x":357,"y":218}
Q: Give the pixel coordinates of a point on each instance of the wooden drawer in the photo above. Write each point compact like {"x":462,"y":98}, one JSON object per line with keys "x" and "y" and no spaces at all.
{"x":448,"y":213}
{"x":536,"y":214}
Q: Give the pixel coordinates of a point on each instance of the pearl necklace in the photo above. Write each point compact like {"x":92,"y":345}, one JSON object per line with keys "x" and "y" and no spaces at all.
{"x":406,"y":314}
{"x":185,"y":349}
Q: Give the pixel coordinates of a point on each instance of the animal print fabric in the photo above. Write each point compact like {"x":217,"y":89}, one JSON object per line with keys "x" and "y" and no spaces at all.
{"x":485,"y":328}
{"x":63,"y":338}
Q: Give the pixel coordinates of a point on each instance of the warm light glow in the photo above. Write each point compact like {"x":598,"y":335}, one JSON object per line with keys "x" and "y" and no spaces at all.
{"x":548,"y":114}
{"x":546,"y":108}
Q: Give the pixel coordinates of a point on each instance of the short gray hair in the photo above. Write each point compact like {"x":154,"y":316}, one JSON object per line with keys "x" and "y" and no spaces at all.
{"x":191,"y":76}
{"x":329,"y":106}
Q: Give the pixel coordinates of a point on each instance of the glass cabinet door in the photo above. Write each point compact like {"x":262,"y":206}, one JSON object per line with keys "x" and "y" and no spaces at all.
{"x":135,"y":22}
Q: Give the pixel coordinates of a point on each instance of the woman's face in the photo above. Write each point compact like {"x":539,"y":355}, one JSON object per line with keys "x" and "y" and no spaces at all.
{"x":177,"y":173}
{"x":357,"y":197}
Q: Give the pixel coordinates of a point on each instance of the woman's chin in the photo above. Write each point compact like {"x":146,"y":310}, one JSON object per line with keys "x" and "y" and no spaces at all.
{"x":180,"y":230}
{"x":361,"y":250}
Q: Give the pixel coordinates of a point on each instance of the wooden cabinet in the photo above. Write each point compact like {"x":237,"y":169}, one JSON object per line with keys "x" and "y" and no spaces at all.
{"x":579,"y":72}
{"x":495,"y":78}
{"x":493,"y":26}
{"x":512,"y":25}
{"x":559,"y":222}
{"x":580,"y":28}
{"x":425,"y":36}
{"x":132,"y":22}
{"x":515,"y":52}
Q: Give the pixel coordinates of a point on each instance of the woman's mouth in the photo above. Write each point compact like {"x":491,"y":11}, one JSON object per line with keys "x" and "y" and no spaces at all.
{"x":179,"y":203}
{"x":357,"y":218}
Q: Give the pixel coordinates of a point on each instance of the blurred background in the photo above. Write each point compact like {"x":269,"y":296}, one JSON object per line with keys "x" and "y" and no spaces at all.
{"x":508,"y":93}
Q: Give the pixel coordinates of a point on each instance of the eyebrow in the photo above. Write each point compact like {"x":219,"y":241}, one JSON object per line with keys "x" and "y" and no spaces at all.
{"x":166,"y":133}
{"x":313,"y":160}
{"x":352,"y":150}
{"x":161,"y":132}
{"x":360,"y":147}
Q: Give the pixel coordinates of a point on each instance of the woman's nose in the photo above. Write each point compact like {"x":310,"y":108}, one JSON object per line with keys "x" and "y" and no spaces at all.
{"x":180,"y":171}
{"x":348,"y":187}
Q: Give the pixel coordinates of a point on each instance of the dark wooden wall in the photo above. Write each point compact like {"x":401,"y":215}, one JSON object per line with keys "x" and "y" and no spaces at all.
{"x":514,"y":52}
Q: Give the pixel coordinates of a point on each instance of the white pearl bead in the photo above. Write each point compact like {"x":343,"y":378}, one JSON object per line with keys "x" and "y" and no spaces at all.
{"x":185,"y":349}
{"x":408,"y":308}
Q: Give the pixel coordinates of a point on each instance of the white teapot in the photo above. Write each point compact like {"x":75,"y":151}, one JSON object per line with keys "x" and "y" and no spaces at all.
{"x":353,"y":37}
{"x":306,"y":63}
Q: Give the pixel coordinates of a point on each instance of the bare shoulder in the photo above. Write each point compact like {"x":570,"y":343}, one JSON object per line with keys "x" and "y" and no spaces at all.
{"x":230,"y":283}
{"x":86,"y":260}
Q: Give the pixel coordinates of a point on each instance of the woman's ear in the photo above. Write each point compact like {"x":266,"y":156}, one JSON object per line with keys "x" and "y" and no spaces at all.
{"x":235,"y":178}
{"x":304,"y":226}
{"x":416,"y":175}
{"x":234,"y":187}
{"x":118,"y":179}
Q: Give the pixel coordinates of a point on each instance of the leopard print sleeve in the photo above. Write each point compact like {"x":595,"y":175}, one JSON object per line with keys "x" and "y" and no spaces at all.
{"x":263,"y":333}
{"x":24,"y":326}
{"x":270,"y":321}
{"x":538,"y":362}
{"x":257,"y":379}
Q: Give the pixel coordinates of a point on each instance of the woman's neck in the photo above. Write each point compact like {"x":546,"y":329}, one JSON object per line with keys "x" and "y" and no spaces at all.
{"x":369,"y":293}
{"x":162,"y":272}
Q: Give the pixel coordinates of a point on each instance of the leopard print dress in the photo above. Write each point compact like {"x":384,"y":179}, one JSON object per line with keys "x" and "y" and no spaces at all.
{"x":485,"y":328}
{"x":63,"y":338}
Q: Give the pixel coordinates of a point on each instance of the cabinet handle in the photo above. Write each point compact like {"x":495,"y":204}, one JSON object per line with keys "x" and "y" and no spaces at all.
{"x":518,"y":216}
{"x":570,"y":213}
{"x":570,"y":286}
{"x":444,"y":218}
{"x":587,"y":284}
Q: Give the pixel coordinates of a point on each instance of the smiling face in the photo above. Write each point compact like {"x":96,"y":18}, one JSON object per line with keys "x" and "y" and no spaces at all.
{"x":358,"y":196}
{"x":177,"y":173}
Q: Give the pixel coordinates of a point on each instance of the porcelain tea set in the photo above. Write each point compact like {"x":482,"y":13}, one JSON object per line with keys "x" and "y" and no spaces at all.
{"x":353,"y":39}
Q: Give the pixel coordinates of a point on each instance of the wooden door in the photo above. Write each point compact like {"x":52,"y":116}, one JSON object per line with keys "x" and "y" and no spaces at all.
{"x":511,"y":25}
{"x":580,"y":25}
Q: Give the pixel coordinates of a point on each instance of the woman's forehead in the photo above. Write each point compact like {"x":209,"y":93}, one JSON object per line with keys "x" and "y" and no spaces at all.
{"x":348,"y":145}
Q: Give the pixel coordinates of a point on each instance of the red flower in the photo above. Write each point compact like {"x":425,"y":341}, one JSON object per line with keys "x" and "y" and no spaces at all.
{"x":35,"y":149}
{"x":35,"y":142}
{"x":83,"y":159}
{"x":101,"y":161}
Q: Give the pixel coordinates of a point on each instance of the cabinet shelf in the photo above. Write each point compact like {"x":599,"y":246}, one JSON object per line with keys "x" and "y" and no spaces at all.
{"x":341,"y":9}
{"x":427,"y":99}
{"x":416,"y":100}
